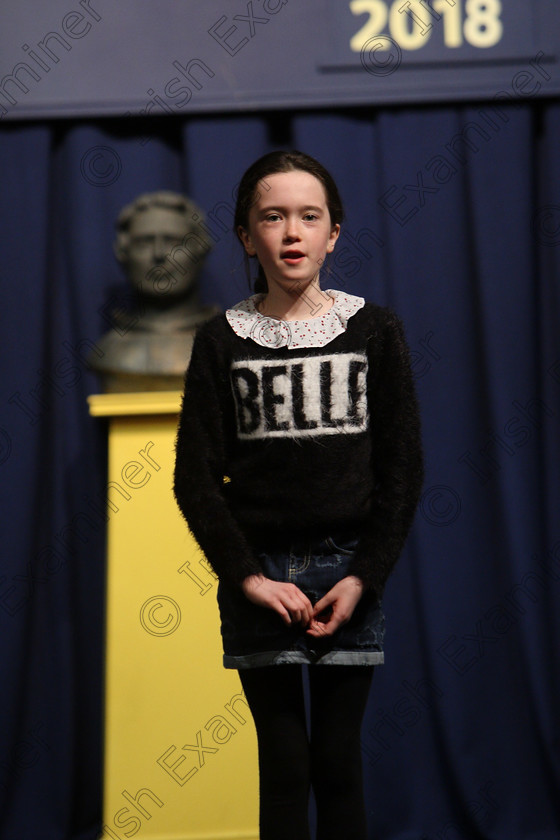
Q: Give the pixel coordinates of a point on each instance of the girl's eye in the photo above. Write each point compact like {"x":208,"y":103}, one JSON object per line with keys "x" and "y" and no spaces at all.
{"x":272,"y":217}
{"x":310,"y":217}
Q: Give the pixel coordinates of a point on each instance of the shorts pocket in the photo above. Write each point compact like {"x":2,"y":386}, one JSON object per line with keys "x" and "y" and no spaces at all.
{"x":342,"y":545}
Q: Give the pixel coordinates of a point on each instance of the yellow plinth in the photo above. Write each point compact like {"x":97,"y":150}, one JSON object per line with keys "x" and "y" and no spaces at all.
{"x":180,"y":746}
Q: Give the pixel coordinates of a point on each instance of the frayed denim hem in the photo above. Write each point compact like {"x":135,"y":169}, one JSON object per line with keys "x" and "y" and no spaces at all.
{"x":299,"y":657}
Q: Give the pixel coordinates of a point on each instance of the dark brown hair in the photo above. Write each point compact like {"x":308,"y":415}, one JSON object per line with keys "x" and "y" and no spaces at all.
{"x":272,"y":164}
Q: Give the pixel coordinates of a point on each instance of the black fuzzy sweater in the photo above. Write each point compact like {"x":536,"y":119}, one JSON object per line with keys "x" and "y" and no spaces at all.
{"x":313,"y":441}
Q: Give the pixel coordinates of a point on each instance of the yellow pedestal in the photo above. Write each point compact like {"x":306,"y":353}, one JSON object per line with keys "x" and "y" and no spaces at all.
{"x":180,"y":746}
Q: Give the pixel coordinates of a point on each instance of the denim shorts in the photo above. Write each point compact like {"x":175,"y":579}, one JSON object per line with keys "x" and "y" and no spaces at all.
{"x":254,"y":636}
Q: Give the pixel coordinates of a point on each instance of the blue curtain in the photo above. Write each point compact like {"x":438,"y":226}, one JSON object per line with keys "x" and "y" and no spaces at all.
{"x":453,"y":219}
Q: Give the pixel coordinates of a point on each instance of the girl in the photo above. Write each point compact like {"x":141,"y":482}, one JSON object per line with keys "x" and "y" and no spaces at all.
{"x":298,"y":470}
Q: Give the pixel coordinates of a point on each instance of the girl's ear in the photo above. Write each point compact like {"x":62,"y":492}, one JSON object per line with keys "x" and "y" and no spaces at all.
{"x":245,"y":238}
{"x":334,"y":234}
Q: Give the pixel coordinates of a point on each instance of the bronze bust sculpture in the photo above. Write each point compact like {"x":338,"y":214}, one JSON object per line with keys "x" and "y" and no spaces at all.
{"x":161,"y":241}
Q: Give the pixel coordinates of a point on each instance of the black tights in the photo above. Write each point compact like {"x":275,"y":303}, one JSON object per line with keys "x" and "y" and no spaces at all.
{"x":290,"y":761}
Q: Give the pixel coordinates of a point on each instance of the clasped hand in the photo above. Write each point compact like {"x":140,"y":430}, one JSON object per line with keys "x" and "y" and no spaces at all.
{"x":329,"y":613}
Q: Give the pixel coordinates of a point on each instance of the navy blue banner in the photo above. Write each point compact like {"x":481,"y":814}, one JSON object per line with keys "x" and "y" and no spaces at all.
{"x":96,"y":57}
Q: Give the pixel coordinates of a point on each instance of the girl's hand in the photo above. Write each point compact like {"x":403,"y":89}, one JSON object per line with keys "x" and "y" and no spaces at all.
{"x":284,"y":598}
{"x":336,"y":607}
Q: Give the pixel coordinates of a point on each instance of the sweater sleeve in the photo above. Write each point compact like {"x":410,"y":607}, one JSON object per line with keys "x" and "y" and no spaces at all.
{"x":397,"y":460}
{"x":200,"y":465}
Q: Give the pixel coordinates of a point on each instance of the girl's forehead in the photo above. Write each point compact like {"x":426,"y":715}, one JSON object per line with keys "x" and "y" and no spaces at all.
{"x":290,"y":187}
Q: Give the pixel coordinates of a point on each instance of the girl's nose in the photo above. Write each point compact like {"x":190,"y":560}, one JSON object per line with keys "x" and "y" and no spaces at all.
{"x":292,"y":230}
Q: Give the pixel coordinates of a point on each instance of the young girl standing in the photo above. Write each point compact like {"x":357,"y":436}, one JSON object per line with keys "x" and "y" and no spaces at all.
{"x":304,"y":400}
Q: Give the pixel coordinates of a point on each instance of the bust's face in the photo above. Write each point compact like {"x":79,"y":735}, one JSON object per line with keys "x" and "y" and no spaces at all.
{"x":162,"y":259}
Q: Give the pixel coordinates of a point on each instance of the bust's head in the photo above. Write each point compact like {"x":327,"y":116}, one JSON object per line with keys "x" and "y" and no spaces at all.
{"x":161,"y":244}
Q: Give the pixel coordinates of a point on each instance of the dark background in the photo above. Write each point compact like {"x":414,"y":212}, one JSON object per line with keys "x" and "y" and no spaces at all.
{"x":92,"y":58}
{"x":462,"y":238}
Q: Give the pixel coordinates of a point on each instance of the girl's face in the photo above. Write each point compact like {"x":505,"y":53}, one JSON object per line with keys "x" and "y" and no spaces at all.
{"x":290,"y":229}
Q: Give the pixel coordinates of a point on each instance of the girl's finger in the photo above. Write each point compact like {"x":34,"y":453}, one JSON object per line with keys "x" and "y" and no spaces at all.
{"x":284,"y":614}
{"x":318,"y":629}
{"x":307,"y":612}
{"x":300,"y":607}
{"x":322,"y":604}
{"x":327,"y":628}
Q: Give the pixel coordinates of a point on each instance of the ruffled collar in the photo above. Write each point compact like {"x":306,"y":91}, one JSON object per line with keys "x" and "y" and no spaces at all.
{"x":247,"y":322}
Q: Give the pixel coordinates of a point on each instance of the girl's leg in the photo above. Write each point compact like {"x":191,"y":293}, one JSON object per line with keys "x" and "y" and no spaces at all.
{"x":339,"y":695}
{"x":275,"y":697}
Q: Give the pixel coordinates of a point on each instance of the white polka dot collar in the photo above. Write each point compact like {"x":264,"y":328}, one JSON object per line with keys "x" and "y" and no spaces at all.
{"x":247,"y":322}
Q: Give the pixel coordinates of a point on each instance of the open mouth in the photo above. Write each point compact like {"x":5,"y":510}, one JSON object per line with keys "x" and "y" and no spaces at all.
{"x":292,"y":257}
